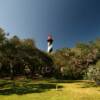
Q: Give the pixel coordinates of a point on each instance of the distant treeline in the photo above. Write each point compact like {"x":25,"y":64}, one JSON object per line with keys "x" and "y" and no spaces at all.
{"x":19,"y":57}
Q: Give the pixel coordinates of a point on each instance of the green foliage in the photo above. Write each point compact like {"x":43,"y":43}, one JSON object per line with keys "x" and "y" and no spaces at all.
{"x":67,"y":63}
{"x":73,"y":63}
{"x":2,"y":35}
{"x":94,"y":73}
{"x":16,"y":53}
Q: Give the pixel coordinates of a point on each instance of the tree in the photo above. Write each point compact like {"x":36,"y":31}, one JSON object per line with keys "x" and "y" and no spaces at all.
{"x":94,"y":73}
{"x":2,"y":35}
{"x":29,"y":42}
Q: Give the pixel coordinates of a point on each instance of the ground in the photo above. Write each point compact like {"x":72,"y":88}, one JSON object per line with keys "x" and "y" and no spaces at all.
{"x":49,"y":89}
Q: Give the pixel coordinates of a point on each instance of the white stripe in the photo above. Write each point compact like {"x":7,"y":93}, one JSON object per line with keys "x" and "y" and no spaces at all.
{"x":50,"y":47}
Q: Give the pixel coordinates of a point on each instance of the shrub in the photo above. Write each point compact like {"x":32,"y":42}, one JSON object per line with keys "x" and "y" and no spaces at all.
{"x":93,"y":73}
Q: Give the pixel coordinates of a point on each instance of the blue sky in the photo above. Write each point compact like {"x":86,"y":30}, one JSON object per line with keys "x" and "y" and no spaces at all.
{"x":69,"y":21}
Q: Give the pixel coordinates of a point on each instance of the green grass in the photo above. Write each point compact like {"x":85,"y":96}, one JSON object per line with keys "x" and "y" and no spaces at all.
{"x":46,"y":90}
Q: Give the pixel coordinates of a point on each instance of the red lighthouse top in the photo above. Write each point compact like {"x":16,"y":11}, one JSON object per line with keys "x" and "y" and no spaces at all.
{"x":50,"y":37}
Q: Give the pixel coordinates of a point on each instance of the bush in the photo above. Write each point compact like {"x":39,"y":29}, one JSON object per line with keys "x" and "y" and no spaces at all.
{"x":93,"y":73}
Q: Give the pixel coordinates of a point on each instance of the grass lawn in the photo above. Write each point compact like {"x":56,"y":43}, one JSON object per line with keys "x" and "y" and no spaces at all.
{"x":46,"y":90}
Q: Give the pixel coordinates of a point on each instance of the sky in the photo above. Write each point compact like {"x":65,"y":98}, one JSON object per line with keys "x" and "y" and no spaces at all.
{"x":69,"y":21}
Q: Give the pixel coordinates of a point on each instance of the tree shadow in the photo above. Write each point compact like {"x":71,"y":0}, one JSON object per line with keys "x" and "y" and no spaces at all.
{"x":65,"y":81}
{"x":26,"y":88}
{"x":89,"y":84}
{"x":82,"y":83}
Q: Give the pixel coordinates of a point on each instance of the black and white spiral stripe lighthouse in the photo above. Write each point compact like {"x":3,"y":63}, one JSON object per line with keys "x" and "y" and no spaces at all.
{"x":50,"y":43}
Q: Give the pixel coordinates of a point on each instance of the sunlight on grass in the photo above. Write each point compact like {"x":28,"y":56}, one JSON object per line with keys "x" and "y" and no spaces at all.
{"x":70,"y":90}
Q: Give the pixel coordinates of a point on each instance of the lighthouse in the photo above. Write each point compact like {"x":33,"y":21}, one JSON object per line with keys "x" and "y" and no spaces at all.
{"x":50,"y":42}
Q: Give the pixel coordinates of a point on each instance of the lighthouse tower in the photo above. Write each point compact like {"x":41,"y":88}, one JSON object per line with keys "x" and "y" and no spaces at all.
{"x":50,"y":42}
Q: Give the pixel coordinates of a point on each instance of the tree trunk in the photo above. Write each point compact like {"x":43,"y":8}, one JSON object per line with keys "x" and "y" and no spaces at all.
{"x":11,"y":71}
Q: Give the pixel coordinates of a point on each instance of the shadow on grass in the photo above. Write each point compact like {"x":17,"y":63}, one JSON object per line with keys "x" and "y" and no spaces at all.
{"x":89,"y":84}
{"x":26,"y":88}
{"x":82,"y":83}
{"x":65,"y":81}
